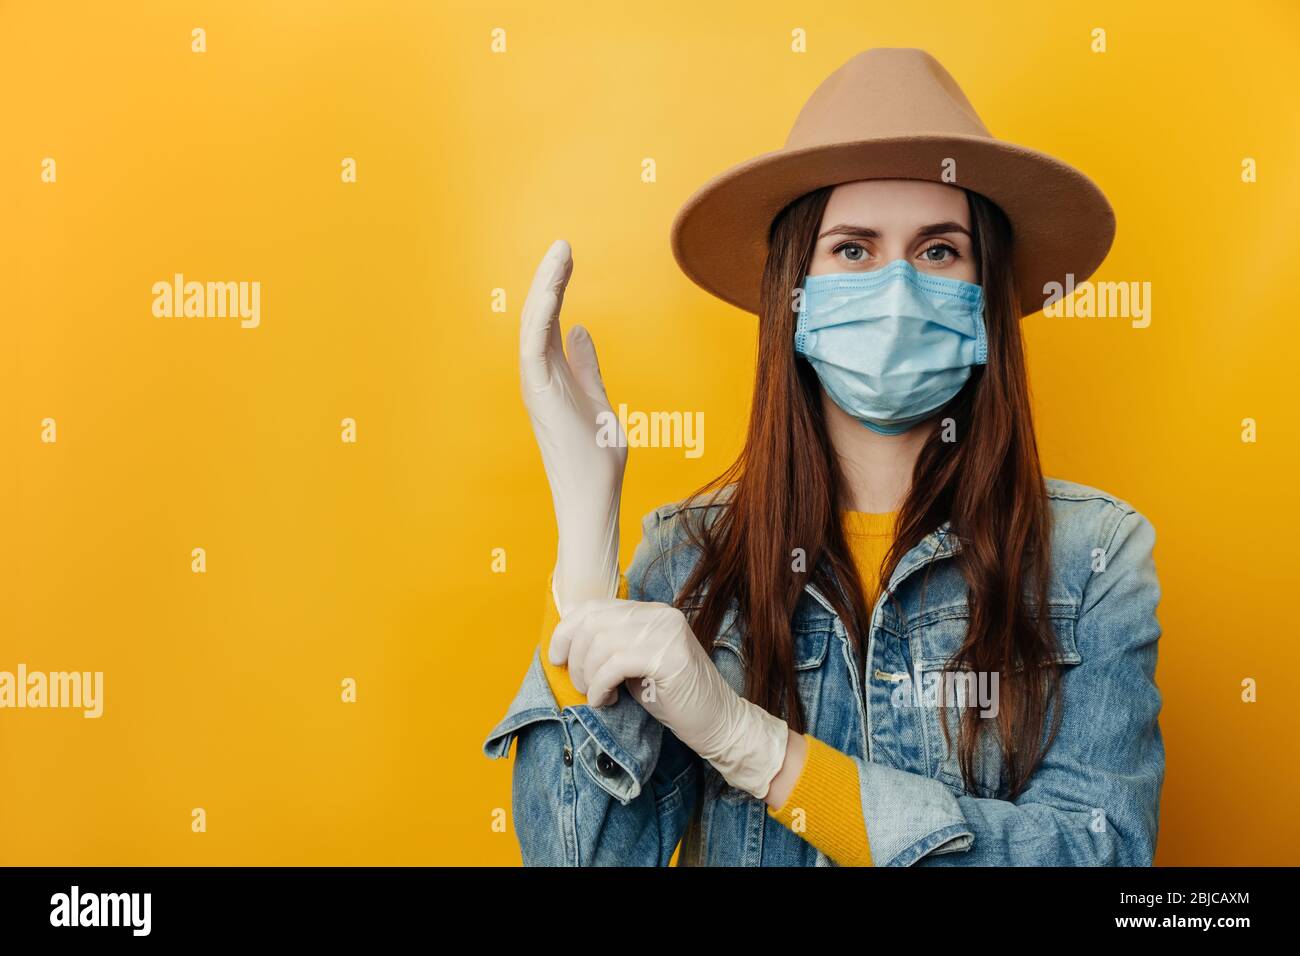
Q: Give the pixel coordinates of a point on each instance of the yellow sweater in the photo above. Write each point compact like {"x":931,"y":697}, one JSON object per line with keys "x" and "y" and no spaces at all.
{"x":825,"y":807}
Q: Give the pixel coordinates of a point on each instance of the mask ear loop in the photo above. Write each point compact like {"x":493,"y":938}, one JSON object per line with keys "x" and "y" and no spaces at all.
{"x":801,"y":323}
{"x":981,"y":333}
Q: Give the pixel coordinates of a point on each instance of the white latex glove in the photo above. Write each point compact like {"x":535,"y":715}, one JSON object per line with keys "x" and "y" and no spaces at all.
{"x":650,"y":649}
{"x":564,"y":398}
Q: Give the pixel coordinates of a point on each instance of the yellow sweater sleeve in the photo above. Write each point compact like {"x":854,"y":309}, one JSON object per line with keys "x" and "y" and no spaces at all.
{"x":825,"y":807}
{"x":557,"y":675}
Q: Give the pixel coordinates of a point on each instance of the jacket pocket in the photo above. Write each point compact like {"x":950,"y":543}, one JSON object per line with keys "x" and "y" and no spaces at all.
{"x":945,"y":690}
{"x":812,"y":640}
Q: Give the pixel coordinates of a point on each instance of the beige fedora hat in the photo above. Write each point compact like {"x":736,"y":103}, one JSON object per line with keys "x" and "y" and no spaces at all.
{"x":893,"y":114}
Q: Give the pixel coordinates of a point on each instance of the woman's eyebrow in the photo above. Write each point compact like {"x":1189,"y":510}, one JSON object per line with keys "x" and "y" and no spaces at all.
{"x":939,"y":228}
{"x":864,"y":232}
{"x":845,"y":229}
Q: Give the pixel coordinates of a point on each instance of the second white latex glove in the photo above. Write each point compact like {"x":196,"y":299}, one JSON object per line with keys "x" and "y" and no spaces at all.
{"x":650,"y":649}
{"x":583,"y":446}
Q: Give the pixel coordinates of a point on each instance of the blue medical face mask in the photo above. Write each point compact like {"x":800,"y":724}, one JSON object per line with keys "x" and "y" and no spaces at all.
{"x":893,"y":345}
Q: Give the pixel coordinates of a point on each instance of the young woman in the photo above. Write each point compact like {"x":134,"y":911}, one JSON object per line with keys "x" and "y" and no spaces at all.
{"x":881,"y":637}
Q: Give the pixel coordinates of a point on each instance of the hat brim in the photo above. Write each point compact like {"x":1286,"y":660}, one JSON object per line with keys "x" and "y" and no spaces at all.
{"x":1061,"y":221}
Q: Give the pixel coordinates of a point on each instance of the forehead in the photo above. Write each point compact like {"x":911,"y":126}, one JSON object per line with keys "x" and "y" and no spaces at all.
{"x":895,"y":204}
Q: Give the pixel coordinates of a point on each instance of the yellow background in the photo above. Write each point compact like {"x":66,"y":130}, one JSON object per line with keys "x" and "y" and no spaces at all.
{"x":373,"y":561}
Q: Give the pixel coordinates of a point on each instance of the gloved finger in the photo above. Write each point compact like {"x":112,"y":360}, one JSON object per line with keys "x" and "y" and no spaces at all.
{"x":580,"y":663}
{"x":558,"y":646}
{"x":640,"y":689}
{"x":539,"y":324}
{"x":575,"y":623}
{"x":596,"y":606}
{"x":586,"y":366}
{"x":603,"y":614}
{"x":602,"y":689}
{"x":635,"y":622}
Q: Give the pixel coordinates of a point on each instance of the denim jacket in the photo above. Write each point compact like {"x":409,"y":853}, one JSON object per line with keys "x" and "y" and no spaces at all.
{"x":612,"y":786}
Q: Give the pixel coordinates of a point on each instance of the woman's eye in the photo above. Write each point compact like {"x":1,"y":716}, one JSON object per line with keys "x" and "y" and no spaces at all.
{"x":852,"y":251}
{"x":940,"y":253}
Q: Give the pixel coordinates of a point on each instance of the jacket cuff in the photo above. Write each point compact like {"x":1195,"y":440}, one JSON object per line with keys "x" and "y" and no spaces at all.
{"x":618,"y":744}
{"x":909,"y":816}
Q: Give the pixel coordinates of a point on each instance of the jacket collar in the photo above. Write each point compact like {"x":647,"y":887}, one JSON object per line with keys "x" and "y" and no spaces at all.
{"x":938,"y":544}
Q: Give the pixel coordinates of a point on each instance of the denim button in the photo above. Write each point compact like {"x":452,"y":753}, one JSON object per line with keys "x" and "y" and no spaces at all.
{"x":568,"y":757}
{"x":606,"y":765}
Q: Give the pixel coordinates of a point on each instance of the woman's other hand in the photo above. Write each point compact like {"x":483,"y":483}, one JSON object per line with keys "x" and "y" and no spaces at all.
{"x":650,"y":648}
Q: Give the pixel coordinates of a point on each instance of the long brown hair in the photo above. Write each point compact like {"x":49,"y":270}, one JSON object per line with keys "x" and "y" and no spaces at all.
{"x":788,"y":495}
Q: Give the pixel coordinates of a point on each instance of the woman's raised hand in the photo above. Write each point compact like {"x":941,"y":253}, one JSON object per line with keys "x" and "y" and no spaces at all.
{"x":581,"y":440}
